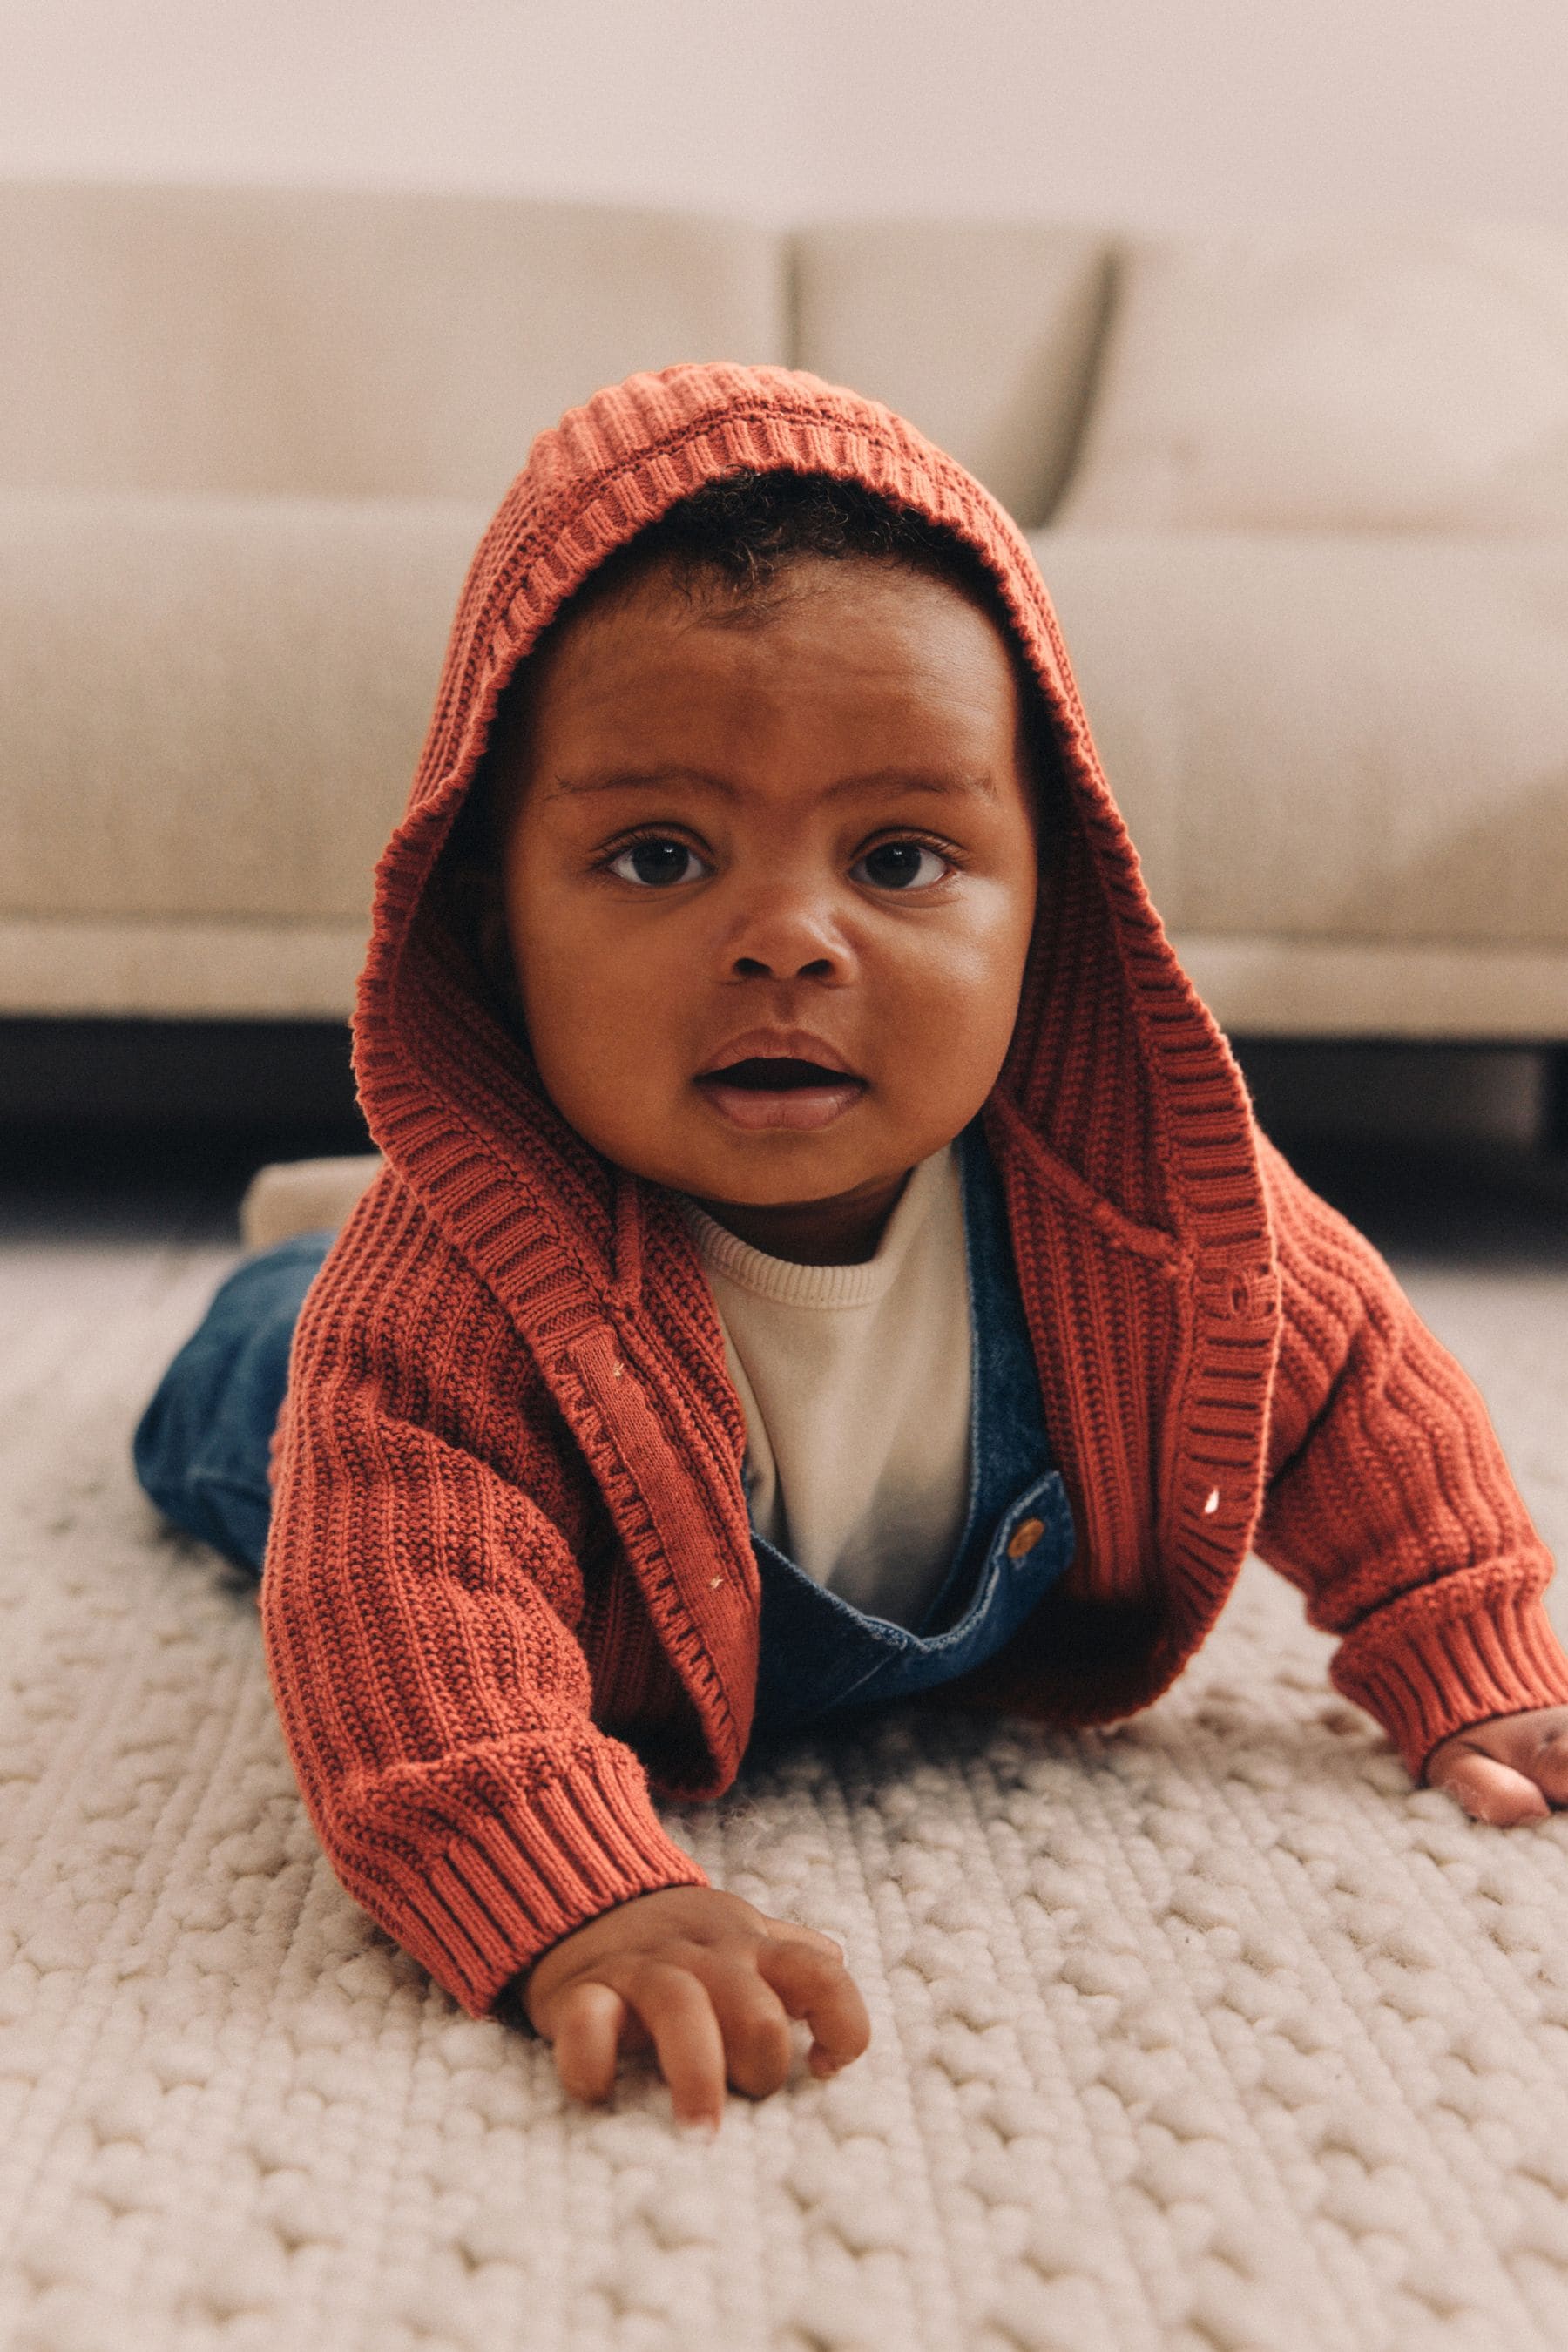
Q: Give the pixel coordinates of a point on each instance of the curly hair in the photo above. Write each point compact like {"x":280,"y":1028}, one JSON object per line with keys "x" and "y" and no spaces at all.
{"x":745,"y":531}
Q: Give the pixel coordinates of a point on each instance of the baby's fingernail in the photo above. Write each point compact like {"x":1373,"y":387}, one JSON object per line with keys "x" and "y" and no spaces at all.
{"x":704,"y":2127}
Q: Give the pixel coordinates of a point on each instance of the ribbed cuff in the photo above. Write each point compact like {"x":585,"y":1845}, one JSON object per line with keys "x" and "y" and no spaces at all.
{"x":500,"y":1891}
{"x":1425,"y":1676}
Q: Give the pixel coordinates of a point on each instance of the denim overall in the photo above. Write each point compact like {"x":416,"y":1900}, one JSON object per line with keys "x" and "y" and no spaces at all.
{"x":200,"y":1451}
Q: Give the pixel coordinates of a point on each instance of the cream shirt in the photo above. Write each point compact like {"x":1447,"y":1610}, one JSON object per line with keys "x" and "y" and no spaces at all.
{"x":855,"y":1381}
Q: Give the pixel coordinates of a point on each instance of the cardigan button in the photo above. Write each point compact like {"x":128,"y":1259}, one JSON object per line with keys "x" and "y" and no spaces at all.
{"x":1024,"y":1537}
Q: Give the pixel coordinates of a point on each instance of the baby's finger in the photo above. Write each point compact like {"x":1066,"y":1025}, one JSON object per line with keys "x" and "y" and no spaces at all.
{"x":1491,"y":1791}
{"x":584,"y":2024}
{"x":674,"y":2006}
{"x":791,"y":1931}
{"x":822,"y":1991}
{"x":755,"y":2028}
{"x":1548,"y":1767}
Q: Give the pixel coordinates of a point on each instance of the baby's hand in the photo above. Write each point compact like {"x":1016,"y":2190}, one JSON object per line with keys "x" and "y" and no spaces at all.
{"x":709,"y":1982}
{"x":1514,"y":1768}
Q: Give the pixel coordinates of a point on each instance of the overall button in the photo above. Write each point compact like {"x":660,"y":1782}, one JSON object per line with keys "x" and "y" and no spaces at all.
{"x":1024,"y":1537}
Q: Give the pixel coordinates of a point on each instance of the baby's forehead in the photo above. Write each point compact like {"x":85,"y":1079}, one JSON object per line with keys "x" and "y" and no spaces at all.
{"x":813,"y":610}
{"x":852,"y":664}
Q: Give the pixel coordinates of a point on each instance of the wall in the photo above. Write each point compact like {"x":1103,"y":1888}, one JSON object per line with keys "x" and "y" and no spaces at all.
{"x":1180,"y":112}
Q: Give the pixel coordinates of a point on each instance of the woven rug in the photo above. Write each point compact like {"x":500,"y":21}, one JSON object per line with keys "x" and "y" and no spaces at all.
{"x":1205,"y":2033}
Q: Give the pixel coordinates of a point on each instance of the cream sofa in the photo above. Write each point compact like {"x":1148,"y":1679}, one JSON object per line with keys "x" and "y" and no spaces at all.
{"x":1303,"y":505}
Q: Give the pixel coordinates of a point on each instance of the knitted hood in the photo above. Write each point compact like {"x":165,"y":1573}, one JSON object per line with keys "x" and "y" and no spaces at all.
{"x":1119,"y":1098}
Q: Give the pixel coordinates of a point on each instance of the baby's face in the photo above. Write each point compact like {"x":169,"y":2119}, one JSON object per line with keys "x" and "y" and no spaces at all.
{"x":807,"y":840}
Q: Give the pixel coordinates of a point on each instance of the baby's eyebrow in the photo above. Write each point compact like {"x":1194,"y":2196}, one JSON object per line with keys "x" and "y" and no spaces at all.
{"x":909,"y":780}
{"x":631,"y":780}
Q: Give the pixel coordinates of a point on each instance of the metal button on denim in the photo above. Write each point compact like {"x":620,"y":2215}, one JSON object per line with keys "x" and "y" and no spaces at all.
{"x":1024,"y":1537}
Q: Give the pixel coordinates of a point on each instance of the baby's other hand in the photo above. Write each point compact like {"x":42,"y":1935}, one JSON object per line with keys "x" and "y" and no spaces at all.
{"x":709,"y":1982}
{"x":1514,"y":1768}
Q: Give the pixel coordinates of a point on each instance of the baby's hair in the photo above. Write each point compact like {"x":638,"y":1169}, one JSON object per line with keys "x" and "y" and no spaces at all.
{"x":746,"y":530}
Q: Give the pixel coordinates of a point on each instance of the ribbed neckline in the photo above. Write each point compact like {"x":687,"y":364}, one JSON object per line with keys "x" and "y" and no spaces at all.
{"x":789,"y":1283}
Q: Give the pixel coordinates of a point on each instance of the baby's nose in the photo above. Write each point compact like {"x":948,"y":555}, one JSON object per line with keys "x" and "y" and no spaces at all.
{"x":788,"y":938}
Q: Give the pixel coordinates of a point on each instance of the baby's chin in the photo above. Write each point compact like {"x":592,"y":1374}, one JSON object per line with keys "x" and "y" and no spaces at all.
{"x":775,"y":1154}
{"x":761,"y":1164}
{"x":780,"y":1172}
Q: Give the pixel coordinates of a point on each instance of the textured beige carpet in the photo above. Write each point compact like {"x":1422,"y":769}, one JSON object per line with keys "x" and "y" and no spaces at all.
{"x":1205,"y":2033}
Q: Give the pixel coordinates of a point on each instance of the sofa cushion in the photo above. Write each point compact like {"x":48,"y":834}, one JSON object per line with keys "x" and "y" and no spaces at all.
{"x":1385,"y":379}
{"x":1331,"y":740}
{"x":347,"y":341}
{"x":213,"y":705}
{"x":983,"y":334}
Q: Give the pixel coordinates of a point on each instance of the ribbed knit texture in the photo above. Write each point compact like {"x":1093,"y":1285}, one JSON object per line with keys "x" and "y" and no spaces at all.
{"x":509,"y":1578}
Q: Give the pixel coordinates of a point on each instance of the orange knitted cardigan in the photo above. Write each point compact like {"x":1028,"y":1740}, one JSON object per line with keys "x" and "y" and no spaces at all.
{"x":509,"y":1578}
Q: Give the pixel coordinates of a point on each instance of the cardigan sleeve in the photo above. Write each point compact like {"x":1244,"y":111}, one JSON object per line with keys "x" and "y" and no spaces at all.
{"x":1387,"y":1498}
{"x":420,"y":1613}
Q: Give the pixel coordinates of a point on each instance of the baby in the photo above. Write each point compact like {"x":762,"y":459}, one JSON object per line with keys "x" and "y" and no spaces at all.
{"x":823,"y":1254}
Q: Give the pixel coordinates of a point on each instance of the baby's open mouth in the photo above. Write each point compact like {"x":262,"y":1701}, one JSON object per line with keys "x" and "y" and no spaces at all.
{"x":775,"y":1074}
{"x":776,"y":1091}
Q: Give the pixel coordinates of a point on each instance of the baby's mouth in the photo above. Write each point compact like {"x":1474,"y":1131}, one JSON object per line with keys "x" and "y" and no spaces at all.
{"x":770,"y":1074}
{"x":778,"y":1091}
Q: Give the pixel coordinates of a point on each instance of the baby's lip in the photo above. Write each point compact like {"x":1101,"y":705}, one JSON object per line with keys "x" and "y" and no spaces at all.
{"x":777,"y":1046}
{"x":772,"y":1092}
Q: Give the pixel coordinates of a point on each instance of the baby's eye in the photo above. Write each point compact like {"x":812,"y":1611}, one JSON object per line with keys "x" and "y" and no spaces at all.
{"x":655,"y":862}
{"x":898,"y":865}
